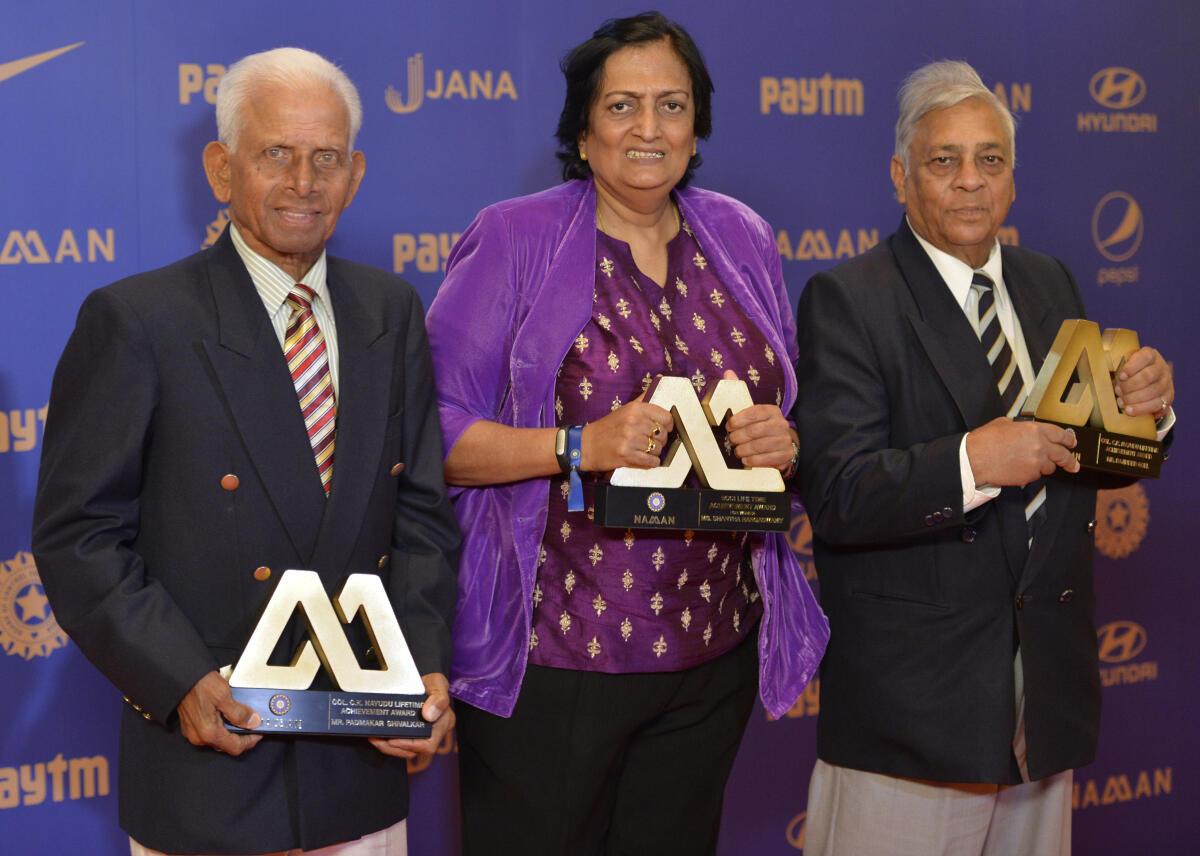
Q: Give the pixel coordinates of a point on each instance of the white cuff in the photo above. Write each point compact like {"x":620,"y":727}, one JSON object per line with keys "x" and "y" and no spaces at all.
{"x":973,"y":495}
{"x":1165,"y":424}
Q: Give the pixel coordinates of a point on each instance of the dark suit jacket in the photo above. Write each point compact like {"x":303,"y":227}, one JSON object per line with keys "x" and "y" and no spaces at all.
{"x":927,"y":606}
{"x":172,"y":380}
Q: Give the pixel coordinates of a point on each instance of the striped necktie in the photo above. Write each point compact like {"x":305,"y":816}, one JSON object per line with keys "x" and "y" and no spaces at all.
{"x":308,"y":361}
{"x":1008,"y":382}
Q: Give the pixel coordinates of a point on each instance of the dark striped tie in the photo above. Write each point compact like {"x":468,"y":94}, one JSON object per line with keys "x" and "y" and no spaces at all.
{"x":1009,"y":383}
{"x":308,"y":361}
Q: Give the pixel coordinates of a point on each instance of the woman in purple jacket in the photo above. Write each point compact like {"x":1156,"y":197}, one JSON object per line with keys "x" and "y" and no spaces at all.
{"x":605,"y":677}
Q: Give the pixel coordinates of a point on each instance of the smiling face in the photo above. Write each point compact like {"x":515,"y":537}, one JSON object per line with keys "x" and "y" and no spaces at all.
{"x":959,"y":183}
{"x":291,"y":175}
{"x":641,"y":128}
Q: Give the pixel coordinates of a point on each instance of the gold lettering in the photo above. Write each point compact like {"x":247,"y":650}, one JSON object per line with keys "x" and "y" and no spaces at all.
{"x":784,"y":244}
{"x":438,"y":84}
{"x":814,"y":245}
{"x":845,"y":245}
{"x":455,"y":85}
{"x":481,"y":84}
{"x":768,"y":93}
{"x":191,"y":81}
{"x":848,"y":98}
{"x":89,"y":777}
{"x":67,"y":246}
{"x":1116,"y":790}
{"x":24,"y":247}
{"x":1162,"y":781}
{"x":505,"y":86}
{"x":33,"y":783}
{"x":416,"y":88}
{"x":10,"y":791}
{"x":98,"y":246}
{"x":56,"y":768}
{"x":22,"y":426}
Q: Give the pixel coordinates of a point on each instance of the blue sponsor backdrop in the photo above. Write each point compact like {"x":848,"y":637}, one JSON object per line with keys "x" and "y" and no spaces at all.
{"x":102,"y":178}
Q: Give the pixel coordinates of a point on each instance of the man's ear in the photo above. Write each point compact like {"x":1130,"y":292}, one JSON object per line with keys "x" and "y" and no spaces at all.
{"x":217,"y":169}
{"x":898,"y":176}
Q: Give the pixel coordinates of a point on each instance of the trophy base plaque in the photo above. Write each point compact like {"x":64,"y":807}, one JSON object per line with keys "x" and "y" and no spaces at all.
{"x":629,"y":507}
{"x":334,"y":712}
{"x":1120,"y":454}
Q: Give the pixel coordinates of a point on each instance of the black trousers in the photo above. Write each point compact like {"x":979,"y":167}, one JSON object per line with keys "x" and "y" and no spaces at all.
{"x":591,"y":763}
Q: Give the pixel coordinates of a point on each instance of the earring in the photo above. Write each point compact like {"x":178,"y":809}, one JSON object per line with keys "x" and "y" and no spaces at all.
{"x":582,"y":154}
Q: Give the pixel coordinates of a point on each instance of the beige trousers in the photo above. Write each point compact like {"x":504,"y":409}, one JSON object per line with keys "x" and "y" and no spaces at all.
{"x":392,"y":841}
{"x":856,"y":813}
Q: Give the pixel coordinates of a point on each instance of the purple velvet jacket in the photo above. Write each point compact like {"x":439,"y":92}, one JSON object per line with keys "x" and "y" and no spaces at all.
{"x":518,"y":290}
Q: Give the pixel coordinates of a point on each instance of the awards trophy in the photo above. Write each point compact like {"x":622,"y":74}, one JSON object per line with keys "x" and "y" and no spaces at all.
{"x":732,"y":500}
{"x":1074,"y":389}
{"x":384,"y":702}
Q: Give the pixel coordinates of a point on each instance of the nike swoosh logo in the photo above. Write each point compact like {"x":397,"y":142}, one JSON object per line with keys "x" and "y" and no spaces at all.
{"x":12,"y":69}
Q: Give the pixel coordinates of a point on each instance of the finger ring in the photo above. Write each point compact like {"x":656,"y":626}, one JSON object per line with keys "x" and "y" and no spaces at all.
{"x":657,"y":430}
{"x":1164,"y":405}
{"x":650,"y":445}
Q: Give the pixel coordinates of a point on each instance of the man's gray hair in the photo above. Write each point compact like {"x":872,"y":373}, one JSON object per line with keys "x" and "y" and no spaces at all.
{"x":937,"y":86}
{"x":290,"y":67}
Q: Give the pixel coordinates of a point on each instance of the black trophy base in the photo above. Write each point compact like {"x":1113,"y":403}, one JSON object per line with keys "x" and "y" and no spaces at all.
{"x":681,"y":508}
{"x":1120,"y":454}
{"x":334,"y":712}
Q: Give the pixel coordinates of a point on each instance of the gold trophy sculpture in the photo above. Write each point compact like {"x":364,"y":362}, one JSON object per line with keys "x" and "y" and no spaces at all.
{"x":1074,"y":389}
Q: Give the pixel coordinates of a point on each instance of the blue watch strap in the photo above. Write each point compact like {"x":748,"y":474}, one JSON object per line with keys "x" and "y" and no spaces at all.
{"x":574,"y":458}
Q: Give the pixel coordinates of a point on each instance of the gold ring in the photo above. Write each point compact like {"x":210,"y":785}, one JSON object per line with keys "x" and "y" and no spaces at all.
{"x":657,"y":430}
{"x":650,"y":445}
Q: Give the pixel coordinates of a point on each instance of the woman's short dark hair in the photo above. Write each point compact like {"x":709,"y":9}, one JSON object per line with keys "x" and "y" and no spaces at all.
{"x":584,"y":66}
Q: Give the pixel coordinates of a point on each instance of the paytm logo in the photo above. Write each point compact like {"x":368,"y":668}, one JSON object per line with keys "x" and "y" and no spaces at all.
{"x":196,"y":80}
{"x":811,"y":96}
{"x":1117,"y":88}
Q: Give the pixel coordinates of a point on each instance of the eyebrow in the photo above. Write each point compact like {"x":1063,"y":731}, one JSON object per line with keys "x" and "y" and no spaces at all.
{"x":954,"y":147}
{"x":660,"y":94}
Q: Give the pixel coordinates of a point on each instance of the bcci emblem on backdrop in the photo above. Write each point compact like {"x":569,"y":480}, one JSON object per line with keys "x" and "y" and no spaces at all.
{"x":1118,"y":226}
{"x":1122,"y":518}
{"x":471,"y":85}
{"x":1117,"y":89}
{"x":27,"y":626}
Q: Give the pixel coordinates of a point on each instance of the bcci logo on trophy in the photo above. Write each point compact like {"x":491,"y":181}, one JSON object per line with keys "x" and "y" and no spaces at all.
{"x":1117,"y":89}
{"x":1117,"y":230}
{"x":471,"y":86}
{"x":27,"y":625}
{"x":1122,"y":517}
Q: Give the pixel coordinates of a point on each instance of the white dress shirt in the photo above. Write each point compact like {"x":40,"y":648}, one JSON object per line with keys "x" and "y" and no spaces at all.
{"x":273,"y":286}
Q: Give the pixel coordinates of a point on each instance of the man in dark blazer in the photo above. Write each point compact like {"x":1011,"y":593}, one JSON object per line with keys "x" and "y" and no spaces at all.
{"x":180,"y":479}
{"x":960,"y":686}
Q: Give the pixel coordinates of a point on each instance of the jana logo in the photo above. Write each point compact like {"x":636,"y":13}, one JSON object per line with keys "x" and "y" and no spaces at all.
{"x":1117,"y":88}
{"x":27,"y":625}
{"x":1122,"y":518}
{"x":1117,"y":226}
{"x":1121,"y":641}
{"x":470,"y":86}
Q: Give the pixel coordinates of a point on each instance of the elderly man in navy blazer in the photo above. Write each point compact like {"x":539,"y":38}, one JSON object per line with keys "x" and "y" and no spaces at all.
{"x":257,"y":407}
{"x":953,"y":542}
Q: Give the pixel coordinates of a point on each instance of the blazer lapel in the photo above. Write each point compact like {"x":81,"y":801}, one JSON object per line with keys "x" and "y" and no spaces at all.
{"x":945,"y":334}
{"x":958,"y":358}
{"x":249,"y":367}
{"x":366,"y":364}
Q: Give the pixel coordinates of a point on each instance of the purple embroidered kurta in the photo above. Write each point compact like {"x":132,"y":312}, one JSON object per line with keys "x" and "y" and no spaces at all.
{"x":647,"y":601}
{"x":518,"y":290}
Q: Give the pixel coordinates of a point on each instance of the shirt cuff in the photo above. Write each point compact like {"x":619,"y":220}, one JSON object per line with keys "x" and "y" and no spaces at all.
{"x":1165,"y":424}
{"x":973,"y":495}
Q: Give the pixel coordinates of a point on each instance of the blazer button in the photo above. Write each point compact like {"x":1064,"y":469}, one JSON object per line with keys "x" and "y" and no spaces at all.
{"x":1020,"y":601}
{"x":147,"y":716}
{"x":382,"y":563}
{"x":968,"y":535}
{"x":262,"y":573}
{"x":928,"y":519}
{"x":937,"y":515}
{"x":396,"y":469}
{"x":1091,"y":526}
{"x":230,"y":482}
{"x":1066,"y":596}
{"x":948,"y":512}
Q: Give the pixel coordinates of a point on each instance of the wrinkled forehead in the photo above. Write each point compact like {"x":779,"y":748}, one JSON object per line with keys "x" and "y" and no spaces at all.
{"x":311,"y":112}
